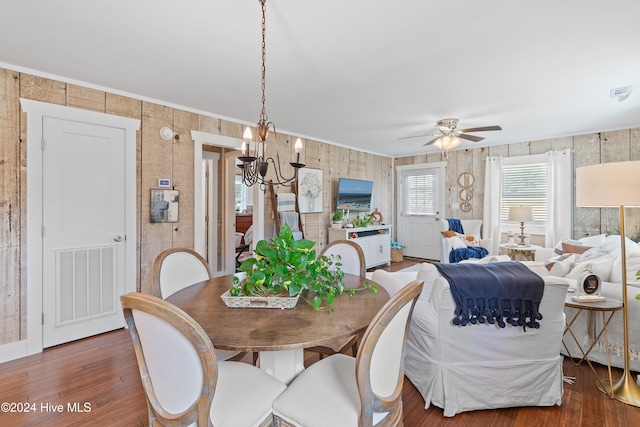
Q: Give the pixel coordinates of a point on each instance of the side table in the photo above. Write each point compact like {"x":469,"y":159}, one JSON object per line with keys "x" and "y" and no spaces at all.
{"x":610,"y":306}
{"x":527,"y":252}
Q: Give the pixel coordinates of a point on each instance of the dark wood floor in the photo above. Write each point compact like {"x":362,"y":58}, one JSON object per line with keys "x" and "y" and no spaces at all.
{"x":100,"y":376}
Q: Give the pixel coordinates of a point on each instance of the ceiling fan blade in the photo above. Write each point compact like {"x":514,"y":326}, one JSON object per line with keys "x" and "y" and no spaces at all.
{"x":481,"y":129}
{"x":419,"y":136}
{"x":470,"y":137}
{"x":416,"y":136}
{"x":432,"y":141}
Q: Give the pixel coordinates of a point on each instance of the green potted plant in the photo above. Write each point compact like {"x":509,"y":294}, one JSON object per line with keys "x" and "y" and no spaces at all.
{"x":363,"y":220}
{"x":284,"y":267}
{"x":337,"y":219}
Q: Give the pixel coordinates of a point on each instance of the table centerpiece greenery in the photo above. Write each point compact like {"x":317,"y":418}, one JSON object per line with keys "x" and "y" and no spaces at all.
{"x":287,"y":267}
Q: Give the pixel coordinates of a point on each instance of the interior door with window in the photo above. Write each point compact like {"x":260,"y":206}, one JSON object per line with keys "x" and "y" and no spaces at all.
{"x":421,"y":206}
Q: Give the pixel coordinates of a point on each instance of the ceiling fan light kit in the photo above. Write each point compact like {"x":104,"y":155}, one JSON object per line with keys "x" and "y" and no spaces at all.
{"x":450,"y":137}
{"x":446,"y":142}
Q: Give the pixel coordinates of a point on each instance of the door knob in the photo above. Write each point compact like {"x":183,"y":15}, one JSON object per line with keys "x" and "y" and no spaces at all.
{"x":118,"y":238}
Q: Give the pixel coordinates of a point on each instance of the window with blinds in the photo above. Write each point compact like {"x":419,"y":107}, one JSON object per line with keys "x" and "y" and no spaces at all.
{"x":525,"y":185}
{"x":419,"y":192}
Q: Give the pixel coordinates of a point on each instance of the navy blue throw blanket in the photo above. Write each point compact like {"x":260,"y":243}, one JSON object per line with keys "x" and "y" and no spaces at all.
{"x":457,"y":255}
{"x":497,"y":292}
{"x":455,"y":225}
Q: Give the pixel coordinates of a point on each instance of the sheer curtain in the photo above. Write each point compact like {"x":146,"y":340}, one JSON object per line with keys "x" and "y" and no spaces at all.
{"x":559,"y":200}
{"x":492,"y":202}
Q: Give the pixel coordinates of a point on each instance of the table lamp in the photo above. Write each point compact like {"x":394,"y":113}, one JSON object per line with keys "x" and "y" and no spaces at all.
{"x":610,"y":185}
{"x":521,"y":214}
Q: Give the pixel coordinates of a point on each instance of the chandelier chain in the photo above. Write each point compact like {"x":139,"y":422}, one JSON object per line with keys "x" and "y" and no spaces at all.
{"x":263,"y":114}
{"x":255,"y":163}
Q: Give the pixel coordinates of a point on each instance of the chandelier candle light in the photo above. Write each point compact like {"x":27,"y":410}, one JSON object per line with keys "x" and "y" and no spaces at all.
{"x":254,"y":163}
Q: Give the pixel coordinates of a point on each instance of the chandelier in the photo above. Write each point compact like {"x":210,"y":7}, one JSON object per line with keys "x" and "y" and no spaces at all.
{"x":254,"y":164}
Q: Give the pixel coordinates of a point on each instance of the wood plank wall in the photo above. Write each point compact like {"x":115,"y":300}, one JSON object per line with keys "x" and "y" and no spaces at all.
{"x":604,"y":147}
{"x":156,"y":158}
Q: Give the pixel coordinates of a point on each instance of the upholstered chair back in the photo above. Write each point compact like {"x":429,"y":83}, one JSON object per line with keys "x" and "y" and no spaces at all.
{"x":177,"y":268}
{"x":176,"y":360}
{"x":351,"y":256}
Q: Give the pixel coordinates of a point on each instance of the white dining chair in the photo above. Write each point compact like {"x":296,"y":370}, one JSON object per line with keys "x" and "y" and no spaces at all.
{"x":175,"y":269}
{"x":351,"y":258}
{"x":341,"y":390}
{"x":184,"y":383}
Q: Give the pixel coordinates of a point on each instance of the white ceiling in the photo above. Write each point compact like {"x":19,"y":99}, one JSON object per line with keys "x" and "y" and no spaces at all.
{"x":358,"y":73}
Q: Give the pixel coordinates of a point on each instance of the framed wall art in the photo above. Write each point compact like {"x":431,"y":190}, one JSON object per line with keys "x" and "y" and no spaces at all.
{"x":310,"y":190}
{"x":164,"y":205}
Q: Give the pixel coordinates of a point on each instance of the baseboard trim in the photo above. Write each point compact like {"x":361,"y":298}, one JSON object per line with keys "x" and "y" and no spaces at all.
{"x":13,"y":350}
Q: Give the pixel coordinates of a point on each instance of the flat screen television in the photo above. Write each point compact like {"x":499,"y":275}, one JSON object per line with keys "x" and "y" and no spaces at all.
{"x":354,"y":195}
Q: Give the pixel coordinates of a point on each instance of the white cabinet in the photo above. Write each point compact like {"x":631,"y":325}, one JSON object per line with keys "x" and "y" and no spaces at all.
{"x":375,"y":242}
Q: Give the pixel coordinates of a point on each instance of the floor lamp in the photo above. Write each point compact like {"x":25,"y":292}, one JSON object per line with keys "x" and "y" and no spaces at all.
{"x":610,"y":185}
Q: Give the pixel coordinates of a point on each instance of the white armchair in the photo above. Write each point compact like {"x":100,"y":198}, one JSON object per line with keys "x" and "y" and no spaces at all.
{"x":471,"y":228}
{"x":476,"y":367}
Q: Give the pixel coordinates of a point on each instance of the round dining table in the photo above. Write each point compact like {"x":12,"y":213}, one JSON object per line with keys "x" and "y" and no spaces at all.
{"x":279,"y":335}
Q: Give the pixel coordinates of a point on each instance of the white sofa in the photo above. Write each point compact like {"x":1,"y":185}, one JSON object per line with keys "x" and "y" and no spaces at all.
{"x":481,"y":366}
{"x":471,"y":227}
{"x":604,"y":259}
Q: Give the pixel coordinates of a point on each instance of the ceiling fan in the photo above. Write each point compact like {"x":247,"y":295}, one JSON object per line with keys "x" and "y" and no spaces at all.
{"x":450,"y":136}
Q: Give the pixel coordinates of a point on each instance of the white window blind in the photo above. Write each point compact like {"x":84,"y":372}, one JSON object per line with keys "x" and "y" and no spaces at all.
{"x":525,"y":185}
{"x":419,"y":192}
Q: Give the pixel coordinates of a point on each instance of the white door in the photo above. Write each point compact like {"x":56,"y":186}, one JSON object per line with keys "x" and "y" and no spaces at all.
{"x":83,"y":234}
{"x":421,"y":204}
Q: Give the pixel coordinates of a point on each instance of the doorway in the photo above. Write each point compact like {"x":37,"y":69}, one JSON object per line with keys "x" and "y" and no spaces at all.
{"x":421,"y":205}
{"x":226,"y":199}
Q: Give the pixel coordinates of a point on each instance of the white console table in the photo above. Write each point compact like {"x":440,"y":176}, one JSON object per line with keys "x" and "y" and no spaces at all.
{"x":375,"y":242}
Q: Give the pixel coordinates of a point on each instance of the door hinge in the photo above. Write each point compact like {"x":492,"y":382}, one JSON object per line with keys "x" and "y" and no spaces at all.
{"x":42,"y":144}
{"x":42,"y":231}
{"x":43,"y":319}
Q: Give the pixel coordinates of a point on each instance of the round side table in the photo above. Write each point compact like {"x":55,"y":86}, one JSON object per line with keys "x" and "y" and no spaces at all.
{"x":527,"y":252}
{"x":608,"y":308}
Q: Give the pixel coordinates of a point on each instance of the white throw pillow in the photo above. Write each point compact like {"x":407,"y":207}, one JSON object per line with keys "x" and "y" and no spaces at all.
{"x":469,"y":239}
{"x":494,"y":258}
{"x":558,"y":249}
{"x":561,"y":265}
{"x":456,"y":242}
{"x":593,"y":253}
{"x":594,"y":241}
{"x":600,"y":266}
{"x":537,"y":267}
{"x":633,"y":265}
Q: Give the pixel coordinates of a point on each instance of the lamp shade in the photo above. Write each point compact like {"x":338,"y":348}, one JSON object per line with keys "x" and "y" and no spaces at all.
{"x":520,"y":213}
{"x":608,"y":184}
